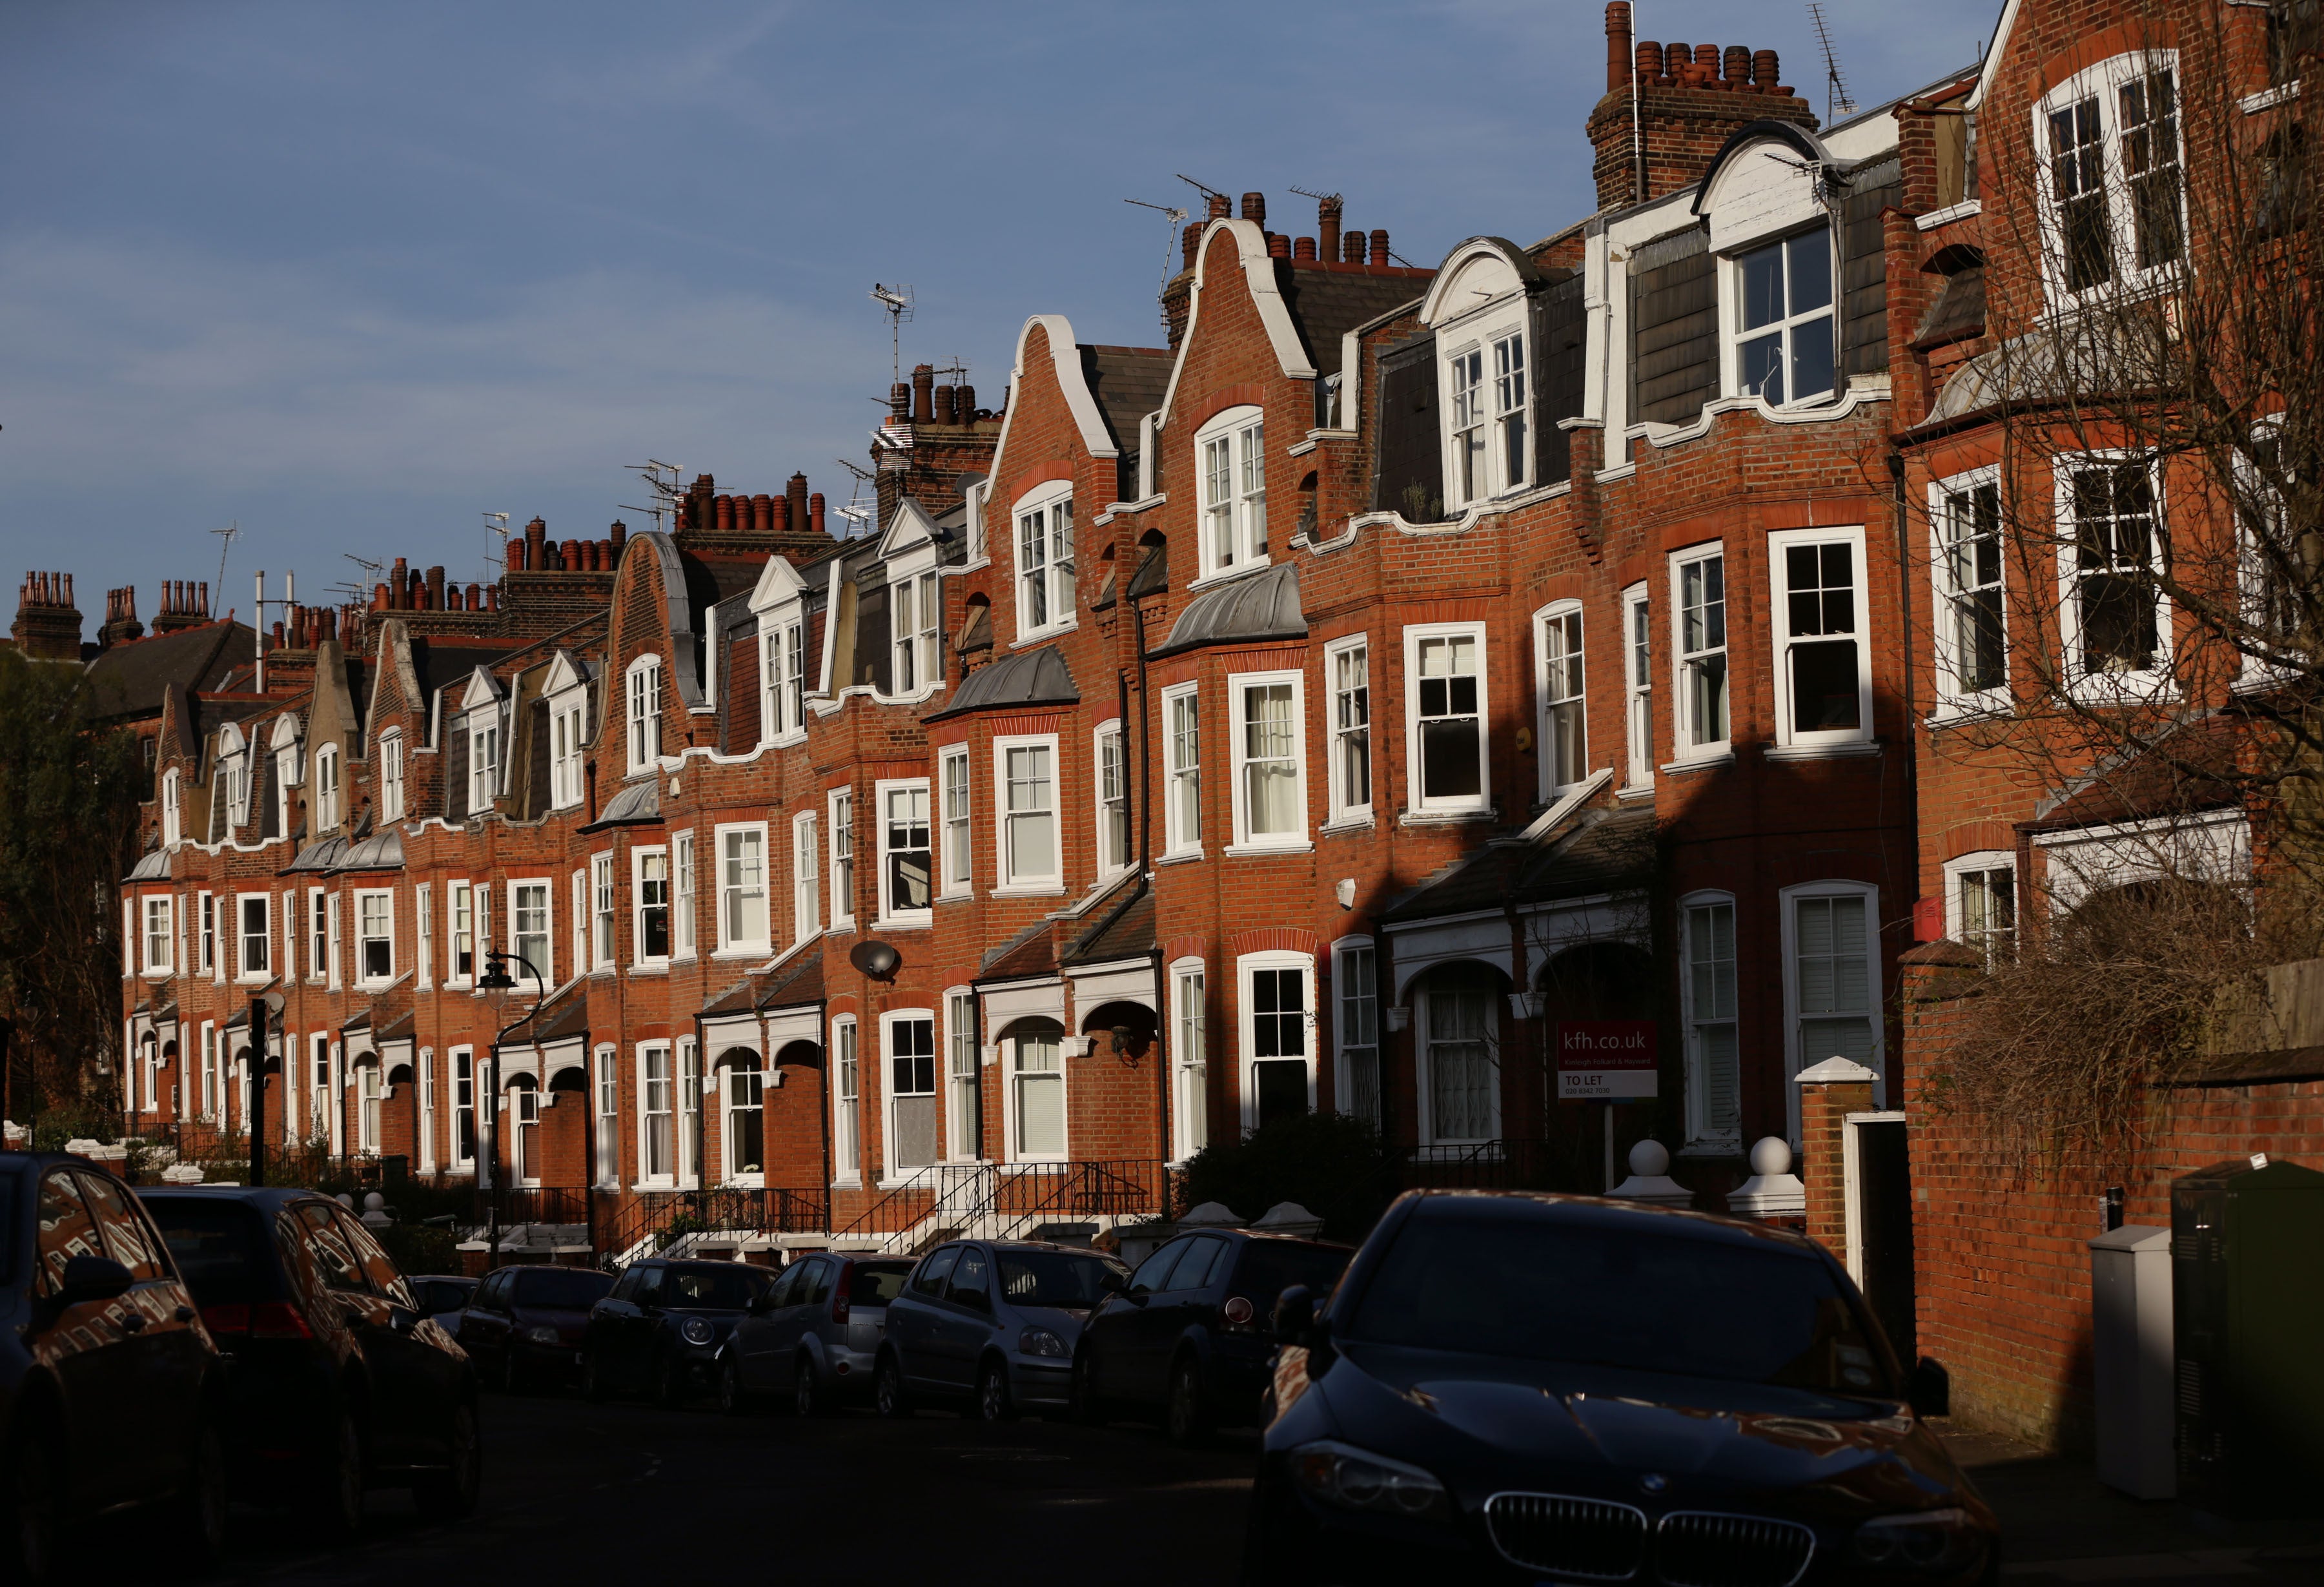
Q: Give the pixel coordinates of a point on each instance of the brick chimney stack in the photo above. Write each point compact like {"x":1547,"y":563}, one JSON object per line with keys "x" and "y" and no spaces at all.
{"x":184,"y":604}
{"x":1669,"y":108}
{"x":47,"y":625}
{"x":121,"y":624}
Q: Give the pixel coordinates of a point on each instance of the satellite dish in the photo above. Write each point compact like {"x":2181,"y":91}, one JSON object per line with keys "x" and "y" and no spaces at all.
{"x":875,"y":959}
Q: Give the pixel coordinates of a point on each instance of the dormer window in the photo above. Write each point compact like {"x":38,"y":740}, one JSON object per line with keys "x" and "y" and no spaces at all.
{"x":1231,"y":464}
{"x":326,"y":788}
{"x":782,"y":673}
{"x":1784,"y":344}
{"x":914,"y":607}
{"x":286,"y":776}
{"x":1045,"y":561}
{"x":566,"y":720}
{"x":237,"y":789}
{"x":644,"y":714}
{"x":484,"y":760}
{"x":390,"y":777}
{"x":2111,"y":213}
{"x":1485,"y":380}
{"x":171,"y":827}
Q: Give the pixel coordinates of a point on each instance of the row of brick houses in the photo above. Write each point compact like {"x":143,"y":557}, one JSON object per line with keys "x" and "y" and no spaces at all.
{"x":1312,"y":713}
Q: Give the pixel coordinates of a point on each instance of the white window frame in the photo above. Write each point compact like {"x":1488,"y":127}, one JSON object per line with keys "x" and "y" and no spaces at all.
{"x":962,"y":1077}
{"x":1238,"y":517}
{"x":2153,"y":682}
{"x":424,"y":1064}
{"x":547,"y":963}
{"x":385,"y":898}
{"x":1113,"y":839}
{"x":1182,"y":804}
{"x":956,"y":791}
{"x":243,"y":937}
{"x":577,"y":920}
{"x":206,"y":962}
{"x":1012,"y":1102}
{"x":1688,"y":741}
{"x":604,"y":908}
{"x":639,"y":958}
{"x":1424,"y":998}
{"x":327,"y":789}
{"x":606,"y":1099}
{"x":157,"y":915}
{"x":782,"y":676}
{"x":1012,"y":884}
{"x":671,"y":1083}
{"x":1346,"y":1019}
{"x":369,"y":1095}
{"x":2253,"y":576}
{"x":568,"y":737}
{"x":884,"y":791}
{"x":286,"y":777}
{"x":1780,"y":545}
{"x":685,"y":895}
{"x":423,"y":905}
{"x":1247,"y":1058}
{"x":1733,"y":336}
{"x":1351,"y":719}
{"x":1982,"y":863}
{"x":459,"y":926}
{"x":806,"y":897}
{"x":733,"y":885}
{"x":290,"y":918}
{"x":317,"y":915}
{"x":891,"y":1171}
{"x":1240,"y":686}
{"x":1874,"y":1008}
{"x":732,"y":1171}
{"x":641,"y":714}
{"x":916,"y":658}
{"x":847,"y":1103}
{"x":1701,"y":1132}
{"x":172,"y":823}
{"x":1548,"y":738}
{"x":1480,"y":408}
{"x":390,"y":776}
{"x":462,"y":1162}
{"x":1190,"y":1057}
{"x":839,"y":805}
{"x":1056,"y":573}
{"x":1954,"y":699}
{"x":1455,"y":804}
{"x":484,"y":729}
{"x":2103,"y":83}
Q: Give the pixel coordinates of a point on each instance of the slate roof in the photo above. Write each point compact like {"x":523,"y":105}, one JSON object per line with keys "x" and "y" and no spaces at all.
{"x":1029,"y":678}
{"x":1607,"y":852}
{"x":1958,"y":312}
{"x":321,"y":857}
{"x":1124,"y":930}
{"x":1263,"y":606}
{"x":1153,"y":575}
{"x":639,"y":803}
{"x":130,"y":679}
{"x":976,"y":633}
{"x":381,"y":850}
{"x":1031,"y":952}
{"x":2188,"y":769}
{"x":1327,"y":304}
{"x":1129,"y":383}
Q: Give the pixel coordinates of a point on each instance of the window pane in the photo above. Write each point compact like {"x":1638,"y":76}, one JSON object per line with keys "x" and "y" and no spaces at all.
{"x":1809,"y":257}
{"x":1812,"y":361}
{"x":1763,"y":287}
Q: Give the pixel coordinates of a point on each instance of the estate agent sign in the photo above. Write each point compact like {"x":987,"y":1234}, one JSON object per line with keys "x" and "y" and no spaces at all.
{"x":1605,"y":1059}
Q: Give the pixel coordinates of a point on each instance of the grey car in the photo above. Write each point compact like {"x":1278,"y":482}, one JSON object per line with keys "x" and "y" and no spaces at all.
{"x":991,"y":1326}
{"x":814,"y":1336}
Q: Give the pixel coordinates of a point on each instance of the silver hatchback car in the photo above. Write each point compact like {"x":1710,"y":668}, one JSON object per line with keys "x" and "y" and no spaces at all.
{"x":814,"y":1336}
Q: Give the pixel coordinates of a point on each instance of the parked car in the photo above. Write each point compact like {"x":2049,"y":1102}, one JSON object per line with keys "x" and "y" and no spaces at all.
{"x":111,"y":1391}
{"x":813,"y":1336}
{"x":524,"y":1325}
{"x":990,"y":1325}
{"x":662,"y":1328}
{"x":1191,"y":1336}
{"x":338,"y":1382}
{"x":1514,"y":1386}
{"x":443,"y":1297}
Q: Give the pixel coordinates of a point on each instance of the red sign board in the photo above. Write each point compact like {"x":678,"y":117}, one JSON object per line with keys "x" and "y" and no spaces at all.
{"x":1605,"y":1059}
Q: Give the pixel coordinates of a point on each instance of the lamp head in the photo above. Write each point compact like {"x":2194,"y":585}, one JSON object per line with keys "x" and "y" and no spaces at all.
{"x":495,"y":977}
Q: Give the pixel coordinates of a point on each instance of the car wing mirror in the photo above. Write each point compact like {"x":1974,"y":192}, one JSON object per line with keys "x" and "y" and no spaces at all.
{"x":1295,"y":1315}
{"x":1112,"y":1282}
{"x":1930,"y":1388}
{"x":88,"y":1278}
{"x":756,"y":1307}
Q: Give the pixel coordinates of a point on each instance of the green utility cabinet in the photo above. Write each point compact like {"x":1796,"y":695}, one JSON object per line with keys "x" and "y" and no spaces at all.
{"x":2247,"y":1305}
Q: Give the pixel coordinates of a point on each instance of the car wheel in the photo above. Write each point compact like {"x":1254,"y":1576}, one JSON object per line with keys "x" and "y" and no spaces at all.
{"x":339,"y":1483}
{"x":33,"y":1484}
{"x":1087,"y":1408}
{"x":1188,"y":1418}
{"x":731,"y":1400}
{"x":593,"y":1387}
{"x":888,"y":1395}
{"x":993,"y":1403}
{"x":451,"y":1494}
{"x":807,"y":1391}
{"x":199,"y":1518}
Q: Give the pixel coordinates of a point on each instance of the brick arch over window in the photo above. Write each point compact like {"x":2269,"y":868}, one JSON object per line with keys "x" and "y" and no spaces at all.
{"x":1271,"y":939}
{"x":1246,"y":394}
{"x":1040,"y":474}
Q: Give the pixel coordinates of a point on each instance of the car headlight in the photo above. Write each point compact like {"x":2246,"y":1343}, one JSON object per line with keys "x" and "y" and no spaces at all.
{"x":541,"y":1333}
{"x":696,"y":1331}
{"x":1041,"y":1341}
{"x":1356,"y":1479}
{"x":1944,"y":1540}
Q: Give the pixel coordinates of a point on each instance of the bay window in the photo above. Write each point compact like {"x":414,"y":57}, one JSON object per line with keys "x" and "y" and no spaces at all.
{"x":1557,"y":660}
{"x":742,"y":925}
{"x":1182,"y":754}
{"x":904,"y":854}
{"x":1190,"y":1058}
{"x":2115,"y":617}
{"x":1270,"y":803}
{"x":807,"y":910}
{"x":1707,"y":998}
{"x":682,"y":895}
{"x":959,"y":862}
{"x":1445,"y":666}
{"x":1972,"y":644}
{"x":1823,"y":665}
{"x":1348,"y":664}
{"x":601,"y":911}
{"x":1112,"y":802}
{"x":650,"y":894}
{"x":1231,"y":469}
{"x":375,"y":936}
{"x":1698,"y":588}
{"x":911,"y":1090}
{"x":842,"y":859}
{"x":1028,"y":801}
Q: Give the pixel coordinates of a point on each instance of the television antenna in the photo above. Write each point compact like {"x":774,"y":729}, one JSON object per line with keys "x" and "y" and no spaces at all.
{"x":1207,"y":192}
{"x":1836,"y":98}
{"x":896,"y":301}
{"x":661,"y":479}
{"x":496,"y":524}
{"x":226,"y":537}
{"x":1173,"y":218}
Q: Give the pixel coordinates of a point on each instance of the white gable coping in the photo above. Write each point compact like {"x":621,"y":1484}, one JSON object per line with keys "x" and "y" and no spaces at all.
{"x":1258,"y":277}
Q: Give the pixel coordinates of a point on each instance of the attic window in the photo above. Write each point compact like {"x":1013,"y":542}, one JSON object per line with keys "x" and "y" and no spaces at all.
{"x":644,"y":696}
{"x":1783,"y":344}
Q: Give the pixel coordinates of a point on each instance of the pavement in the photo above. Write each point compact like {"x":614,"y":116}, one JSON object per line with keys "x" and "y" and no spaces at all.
{"x":2059,"y":1523}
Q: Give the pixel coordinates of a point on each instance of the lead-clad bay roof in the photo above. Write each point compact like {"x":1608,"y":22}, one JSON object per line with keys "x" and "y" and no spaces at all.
{"x":1263,"y":606}
{"x":1029,"y":678}
{"x":637,"y":804}
{"x":1613,"y":852}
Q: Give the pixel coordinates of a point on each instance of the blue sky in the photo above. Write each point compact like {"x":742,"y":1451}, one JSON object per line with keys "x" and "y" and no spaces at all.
{"x":355,"y":275}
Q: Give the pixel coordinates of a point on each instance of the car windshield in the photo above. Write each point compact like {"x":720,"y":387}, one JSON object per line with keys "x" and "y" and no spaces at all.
{"x":567,"y":1291}
{"x":215,"y":1245}
{"x":876,"y":1285}
{"x":728,"y":1287}
{"x":1054,"y":1277}
{"x":442,"y":1295}
{"x":1270,"y":1267}
{"x":1485,"y":1284}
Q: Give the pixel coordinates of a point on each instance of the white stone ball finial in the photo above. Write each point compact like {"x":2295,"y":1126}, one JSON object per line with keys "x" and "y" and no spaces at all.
{"x":1649,"y":1159}
{"x":1771,"y":1156}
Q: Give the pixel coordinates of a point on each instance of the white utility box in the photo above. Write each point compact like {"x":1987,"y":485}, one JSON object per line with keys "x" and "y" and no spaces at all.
{"x":2131,"y":1358}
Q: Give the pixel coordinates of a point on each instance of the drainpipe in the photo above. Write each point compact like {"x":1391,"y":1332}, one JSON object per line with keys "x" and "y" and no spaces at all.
{"x":823,"y":1104}
{"x":1904,"y":628}
{"x":701,"y":1112}
{"x":976,"y":1034}
{"x":588,"y":1141}
{"x":1162,"y":1053}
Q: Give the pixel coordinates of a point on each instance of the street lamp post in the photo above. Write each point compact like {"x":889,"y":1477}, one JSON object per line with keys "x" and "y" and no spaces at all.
{"x":496,"y":983}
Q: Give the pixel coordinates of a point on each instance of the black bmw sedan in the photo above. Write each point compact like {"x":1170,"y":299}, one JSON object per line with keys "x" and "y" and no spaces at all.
{"x":1528,"y":1388}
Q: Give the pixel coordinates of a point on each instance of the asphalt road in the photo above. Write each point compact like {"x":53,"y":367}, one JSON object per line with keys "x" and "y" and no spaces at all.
{"x":629,"y":1492}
